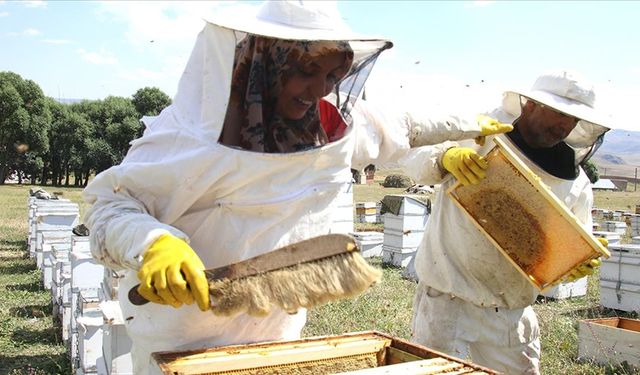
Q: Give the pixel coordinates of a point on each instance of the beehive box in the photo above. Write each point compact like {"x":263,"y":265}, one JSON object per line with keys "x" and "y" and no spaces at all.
{"x":610,"y":340}
{"x":623,"y":265}
{"x":364,"y":353}
{"x":569,"y":289}
{"x":524,"y":219}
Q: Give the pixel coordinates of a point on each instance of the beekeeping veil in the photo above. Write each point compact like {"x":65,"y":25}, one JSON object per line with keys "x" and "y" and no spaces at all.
{"x":204,"y":89}
{"x":568,"y":93}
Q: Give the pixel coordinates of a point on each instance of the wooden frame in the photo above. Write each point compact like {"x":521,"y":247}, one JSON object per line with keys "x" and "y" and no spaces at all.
{"x":384,"y":353}
{"x":523,"y":218}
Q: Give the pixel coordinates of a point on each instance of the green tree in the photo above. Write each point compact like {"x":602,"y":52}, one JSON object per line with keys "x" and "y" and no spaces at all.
{"x":24,"y":122}
{"x":591,"y":170}
{"x":120,"y":124}
{"x":100,"y":156}
{"x":149,"y":101}
{"x":67,"y":142}
{"x":113,"y":120}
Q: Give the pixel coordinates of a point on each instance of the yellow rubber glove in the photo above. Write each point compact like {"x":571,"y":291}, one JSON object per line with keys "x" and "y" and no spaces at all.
{"x":465,"y":165}
{"x":173,"y":274}
{"x":490,"y":126}
{"x":589,"y":267}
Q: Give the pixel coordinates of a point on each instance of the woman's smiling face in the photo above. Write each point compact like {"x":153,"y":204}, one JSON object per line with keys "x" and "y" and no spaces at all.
{"x":308,"y":83}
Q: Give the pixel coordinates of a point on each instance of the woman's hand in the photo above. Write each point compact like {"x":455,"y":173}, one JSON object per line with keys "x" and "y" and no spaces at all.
{"x":173,"y":274}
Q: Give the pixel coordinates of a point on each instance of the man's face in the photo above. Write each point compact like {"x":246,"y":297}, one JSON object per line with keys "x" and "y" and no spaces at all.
{"x":543,"y":127}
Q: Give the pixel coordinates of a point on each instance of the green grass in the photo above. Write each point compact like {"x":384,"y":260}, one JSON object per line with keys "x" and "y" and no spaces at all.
{"x":30,"y":342}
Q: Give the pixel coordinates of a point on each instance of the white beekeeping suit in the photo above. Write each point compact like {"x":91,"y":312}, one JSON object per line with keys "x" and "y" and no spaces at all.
{"x":229,"y":203}
{"x":470,"y":298}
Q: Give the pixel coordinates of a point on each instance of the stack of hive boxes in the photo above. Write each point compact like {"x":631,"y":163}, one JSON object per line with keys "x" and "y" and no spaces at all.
{"x":620,"y":278}
{"x":83,"y":293}
{"x":367,"y":212}
{"x":619,"y":227}
{"x":405,"y":218}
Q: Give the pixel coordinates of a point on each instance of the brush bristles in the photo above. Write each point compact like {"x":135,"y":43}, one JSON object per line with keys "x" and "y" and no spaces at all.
{"x":304,"y":285}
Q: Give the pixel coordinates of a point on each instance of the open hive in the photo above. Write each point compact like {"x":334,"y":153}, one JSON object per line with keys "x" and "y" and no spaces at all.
{"x":363,"y":353}
{"x":610,"y":341}
{"x":524,"y":219}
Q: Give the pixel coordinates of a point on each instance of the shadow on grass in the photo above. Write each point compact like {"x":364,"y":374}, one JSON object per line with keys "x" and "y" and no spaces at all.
{"x":33,"y":286}
{"x":47,"y":336}
{"x":45,"y":364}
{"x":17,"y":267}
{"x":13,"y":244}
{"x":32,"y":311}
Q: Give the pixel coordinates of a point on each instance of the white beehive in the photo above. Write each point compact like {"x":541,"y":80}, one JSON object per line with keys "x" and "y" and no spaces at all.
{"x":399,"y":257}
{"x":612,"y":237}
{"x":611,"y":341}
{"x":87,"y":327}
{"x":369,"y":243}
{"x":568,"y":289}
{"x":342,"y":211}
{"x":620,"y":278}
{"x":44,"y":238}
{"x":403,"y":232}
{"x":619,"y":227}
{"x":52,"y":217}
{"x":366,"y":212}
{"x":116,"y":344}
{"x":109,"y":285}
{"x":623,"y":265}
{"x":634,"y":224}
{"x":61,"y":266}
{"x":619,"y":295}
{"x":85,"y":272}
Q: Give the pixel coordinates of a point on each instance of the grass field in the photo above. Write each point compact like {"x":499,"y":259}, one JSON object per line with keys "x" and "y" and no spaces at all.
{"x":30,"y":342}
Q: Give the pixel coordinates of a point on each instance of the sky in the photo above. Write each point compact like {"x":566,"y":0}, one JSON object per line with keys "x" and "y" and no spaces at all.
{"x":90,"y":50}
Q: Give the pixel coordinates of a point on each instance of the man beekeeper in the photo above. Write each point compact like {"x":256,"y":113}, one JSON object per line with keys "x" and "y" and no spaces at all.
{"x":241,"y":164}
{"x":470,"y":300}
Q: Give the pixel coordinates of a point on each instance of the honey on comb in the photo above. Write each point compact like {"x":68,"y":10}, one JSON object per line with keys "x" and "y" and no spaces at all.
{"x":510,"y":224}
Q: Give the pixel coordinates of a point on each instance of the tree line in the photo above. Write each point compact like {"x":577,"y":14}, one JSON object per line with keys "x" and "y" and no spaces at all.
{"x":45,"y":142}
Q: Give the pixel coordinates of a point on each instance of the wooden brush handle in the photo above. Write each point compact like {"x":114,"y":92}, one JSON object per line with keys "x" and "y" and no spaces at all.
{"x":135,"y":297}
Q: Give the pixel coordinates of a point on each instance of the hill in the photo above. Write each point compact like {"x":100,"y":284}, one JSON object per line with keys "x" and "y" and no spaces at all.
{"x":619,"y":154}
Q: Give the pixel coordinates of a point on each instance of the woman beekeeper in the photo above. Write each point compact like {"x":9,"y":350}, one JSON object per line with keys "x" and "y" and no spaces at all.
{"x":241,"y":164}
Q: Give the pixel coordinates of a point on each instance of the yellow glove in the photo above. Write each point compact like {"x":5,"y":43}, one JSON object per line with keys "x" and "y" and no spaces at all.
{"x":589,"y":267}
{"x":490,"y":126}
{"x":465,"y":165}
{"x":172,"y":273}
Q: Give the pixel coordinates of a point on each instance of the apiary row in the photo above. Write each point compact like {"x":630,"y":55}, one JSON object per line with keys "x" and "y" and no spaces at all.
{"x":83,"y":293}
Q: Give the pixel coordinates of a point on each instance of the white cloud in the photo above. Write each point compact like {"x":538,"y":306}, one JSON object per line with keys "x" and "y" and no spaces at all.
{"x":35,"y":4}
{"x":56,"y":41}
{"x":166,"y":77}
{"x":26,"y":32}
{"x":31,"y":32}
{"x":4,"y":14}
{"x":102,"y":57}
{"x":165,"y":22}
{"x":163,"y":31}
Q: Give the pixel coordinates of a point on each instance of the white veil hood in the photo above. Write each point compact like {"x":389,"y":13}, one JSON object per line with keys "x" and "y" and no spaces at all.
{"x":203,"y":91}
